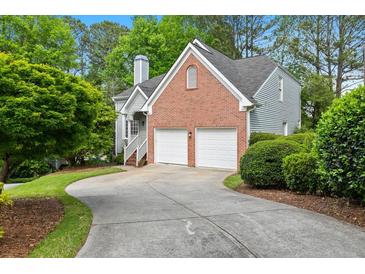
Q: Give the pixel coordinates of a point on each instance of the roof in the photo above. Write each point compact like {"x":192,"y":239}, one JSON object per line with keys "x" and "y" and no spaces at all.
{"x":247,"y":74}
{"x":148,"y":87}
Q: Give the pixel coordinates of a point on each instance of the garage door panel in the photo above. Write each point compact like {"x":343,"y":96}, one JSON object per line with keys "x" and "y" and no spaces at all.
{"x":171,"y":146}
{"x":217,"y":147}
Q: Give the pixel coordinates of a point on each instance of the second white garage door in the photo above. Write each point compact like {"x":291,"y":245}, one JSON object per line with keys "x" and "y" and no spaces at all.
{"x":216,"y":147}
{"x":171,"y":146}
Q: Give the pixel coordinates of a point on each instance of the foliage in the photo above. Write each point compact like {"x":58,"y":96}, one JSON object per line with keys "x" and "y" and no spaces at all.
{"x":329,"y":45}
{"x":71,"y":233}
{"x":340,"y":145}
{"x":233,"y":181}
{"x":31,"y":168}
{"x":316,"y":97}
{"x":300,"y":172}
{"x":1,"y":232}
{"x":161,"y":41}
{"x":261,"y":165}
{"x":305,"y":139}
{"x":119,"y":159}
{"x":4,"y":197}
{"x":262,"y":136}
{"x":39,"y":39}
{"x":43,"y":111}
{"x":100,"y":141}
{"x":103,"y":37}
{"x":20,"y":180}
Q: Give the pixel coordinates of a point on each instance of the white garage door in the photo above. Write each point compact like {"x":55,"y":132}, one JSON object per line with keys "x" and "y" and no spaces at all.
{"x":171,"y":146}
{"x":216,"y":147}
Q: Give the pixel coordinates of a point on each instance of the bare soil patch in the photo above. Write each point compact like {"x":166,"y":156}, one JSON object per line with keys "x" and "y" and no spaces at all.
{"x":26,"y":223}
{"x":338,"y":208}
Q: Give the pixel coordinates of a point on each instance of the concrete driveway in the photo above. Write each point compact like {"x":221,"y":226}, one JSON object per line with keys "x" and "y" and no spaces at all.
{"x":172,"y":211}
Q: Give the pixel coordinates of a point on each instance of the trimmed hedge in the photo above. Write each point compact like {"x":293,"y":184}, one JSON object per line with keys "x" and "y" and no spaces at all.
{"x":262,"y":136}
{"x":261,"y":165}
{"x":300,"y":172}
{"x":340,"y":145}
{"x":305,"y":139}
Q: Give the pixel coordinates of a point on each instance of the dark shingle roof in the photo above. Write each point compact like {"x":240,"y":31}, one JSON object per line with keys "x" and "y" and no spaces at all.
{"x":148,"y":86}
{"x":247,"y":74}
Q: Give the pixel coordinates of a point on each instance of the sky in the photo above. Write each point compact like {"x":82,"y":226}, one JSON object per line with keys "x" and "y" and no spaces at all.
{"x":125,"y":20}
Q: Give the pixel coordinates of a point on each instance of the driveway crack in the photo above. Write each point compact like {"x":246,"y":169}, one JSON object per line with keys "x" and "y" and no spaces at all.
{"x":229,"y":235}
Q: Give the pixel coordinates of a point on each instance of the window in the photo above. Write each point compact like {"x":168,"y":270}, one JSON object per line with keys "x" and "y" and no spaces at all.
{"x":281,"y":89}
{"x":285,"y":128}
{"x":191,"y":77}
{"x":134,"y":127}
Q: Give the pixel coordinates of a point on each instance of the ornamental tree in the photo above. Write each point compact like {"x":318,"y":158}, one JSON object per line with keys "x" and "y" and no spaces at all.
{"x":43,"y":111}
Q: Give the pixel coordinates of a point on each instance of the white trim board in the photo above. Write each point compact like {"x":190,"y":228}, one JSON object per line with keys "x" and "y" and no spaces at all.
{"x":137,"y":89}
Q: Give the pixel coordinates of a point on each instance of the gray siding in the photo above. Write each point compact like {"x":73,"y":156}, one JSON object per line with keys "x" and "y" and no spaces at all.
{"x":271,"y":113}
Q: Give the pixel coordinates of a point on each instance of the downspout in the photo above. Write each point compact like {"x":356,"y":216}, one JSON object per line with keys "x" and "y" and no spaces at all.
{"x":248,"y":124}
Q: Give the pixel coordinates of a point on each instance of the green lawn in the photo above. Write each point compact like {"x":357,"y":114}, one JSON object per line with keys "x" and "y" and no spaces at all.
{"x":233,"y":181}
{"x":71,"y":233}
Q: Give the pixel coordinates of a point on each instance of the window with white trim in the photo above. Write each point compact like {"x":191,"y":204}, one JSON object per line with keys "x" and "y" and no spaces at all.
{"x":134,"y":127}
{"x":281,"y":89}
{"x":191,"y":77}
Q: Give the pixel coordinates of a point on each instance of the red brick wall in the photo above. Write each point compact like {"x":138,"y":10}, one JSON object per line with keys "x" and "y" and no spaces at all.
{"x":210,"y":105}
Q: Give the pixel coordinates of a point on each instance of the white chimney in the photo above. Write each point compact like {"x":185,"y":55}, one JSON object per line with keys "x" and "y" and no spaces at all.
{"x":141,"y":69}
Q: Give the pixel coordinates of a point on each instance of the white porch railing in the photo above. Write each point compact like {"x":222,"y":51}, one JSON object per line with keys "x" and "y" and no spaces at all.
{"x":138,"y":143}
{"x":142,"y":150}
{"x":130,"y":148}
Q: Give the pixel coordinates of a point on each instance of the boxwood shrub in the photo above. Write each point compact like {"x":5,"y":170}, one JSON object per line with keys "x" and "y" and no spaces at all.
{"x":305,"y":139}
{"x":340,"y":145}
{"x":262,"y":136}
{"x":300,"y":172}
{"x":261,"y":165}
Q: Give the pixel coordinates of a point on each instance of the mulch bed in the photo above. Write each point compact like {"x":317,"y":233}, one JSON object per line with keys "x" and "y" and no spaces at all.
{"x":26,"y":223}
{"x":338,"y":208}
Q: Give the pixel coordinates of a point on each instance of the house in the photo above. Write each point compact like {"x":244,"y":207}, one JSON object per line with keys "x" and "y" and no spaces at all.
{"x":202,"y":111}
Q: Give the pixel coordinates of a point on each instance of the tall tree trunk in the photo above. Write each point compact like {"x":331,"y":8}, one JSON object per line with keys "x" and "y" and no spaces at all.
{"x":5,"y":169}
{"x":340,"y":61}
{"x":318,"y":43}
{"x":329,"y":48}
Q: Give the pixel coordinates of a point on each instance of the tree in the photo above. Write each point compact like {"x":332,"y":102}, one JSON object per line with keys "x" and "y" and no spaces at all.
{"x":100,"y":142}
{"x":316,"y":97}
{"x":39,"y":39}
{"x":161,"y":41}
{"x":103,"y":38}
{"x":327,"y":45}
{"x":80,"y":33}
{"x":43,"y":111}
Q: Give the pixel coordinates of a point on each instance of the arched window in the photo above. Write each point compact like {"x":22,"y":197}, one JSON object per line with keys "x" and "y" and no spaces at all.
{"x":191,"y":77}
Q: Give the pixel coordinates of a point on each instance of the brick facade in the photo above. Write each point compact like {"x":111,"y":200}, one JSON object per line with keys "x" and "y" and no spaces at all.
{"x":210,"y":105}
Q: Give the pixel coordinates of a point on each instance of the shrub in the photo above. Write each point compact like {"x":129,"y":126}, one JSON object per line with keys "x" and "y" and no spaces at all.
{"x":1,"y":232}
{"x":261,"y":165}
{"x":262,"y":136}
{"x":340,"y":145}
{"x":300,"y":172}
{"x":31,"y":168}
{"x":119,"y":159}
{"x":305,"y":139}
{"x":4,"y":197}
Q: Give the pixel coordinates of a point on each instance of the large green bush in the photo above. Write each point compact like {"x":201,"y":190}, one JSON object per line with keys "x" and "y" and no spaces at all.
{"x":305,"y":138}
{"x":261,"y":165}
{"x":300,"y":172}
{"x":31,"y":168}
{"x":262,"y":136}
{"x":340,"y":145}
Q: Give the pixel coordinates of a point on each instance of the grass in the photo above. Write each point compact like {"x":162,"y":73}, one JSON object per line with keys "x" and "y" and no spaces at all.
{"x":20,"y":180}
{"x":233,"y":181}
{"x":71,"y":232}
